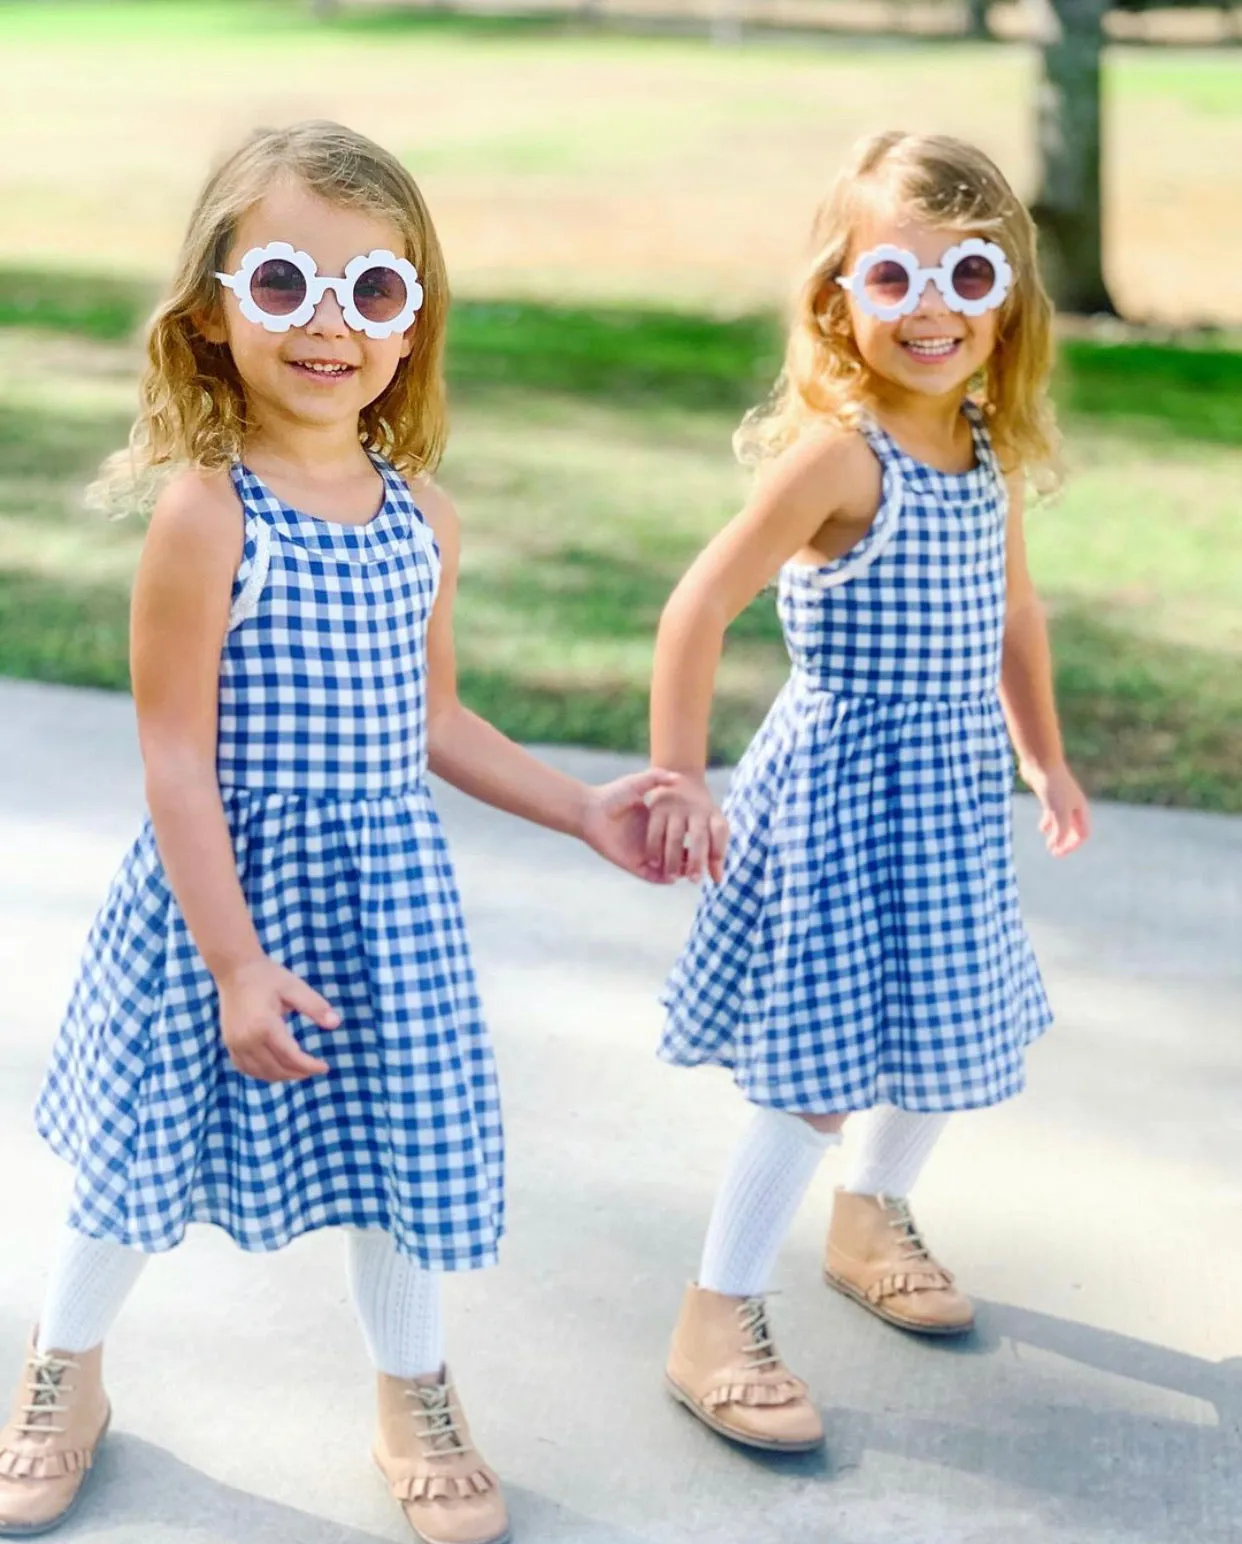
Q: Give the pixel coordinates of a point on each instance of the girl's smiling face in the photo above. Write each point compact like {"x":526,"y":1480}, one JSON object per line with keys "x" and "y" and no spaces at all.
{"x":933,"y":351}
{"x":324,"y":372}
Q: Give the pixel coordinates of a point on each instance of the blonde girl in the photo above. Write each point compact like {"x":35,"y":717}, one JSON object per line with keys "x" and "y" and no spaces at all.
{"x":275,"y":1027}
{"x":861,"y":949}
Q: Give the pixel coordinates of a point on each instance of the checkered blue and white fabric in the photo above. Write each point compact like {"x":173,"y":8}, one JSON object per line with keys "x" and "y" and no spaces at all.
{"x":865,"y":944}
{"x":322,"y":770}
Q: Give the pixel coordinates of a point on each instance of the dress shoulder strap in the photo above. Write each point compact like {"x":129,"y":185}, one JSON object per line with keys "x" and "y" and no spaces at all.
{"x":402,"y":496}
{"x":985,"y":453}
{"x":256,"y":555}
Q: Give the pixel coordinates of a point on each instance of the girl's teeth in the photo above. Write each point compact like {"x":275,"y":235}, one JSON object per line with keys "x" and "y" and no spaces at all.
{"x":945,"y":347}
{"x":325,"y":369}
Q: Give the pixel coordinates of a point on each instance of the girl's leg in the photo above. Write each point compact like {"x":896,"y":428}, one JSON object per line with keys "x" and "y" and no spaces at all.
{"x":724,"y":1365}
{"x":894,"y":1147}
{"x":771,"y":1170}
{"x":423,"y":1445}
{"x":875,"y":1252}
{"x":91,"y":1279}
{"x":399,"y":1307}
{"x":61,"y":1411}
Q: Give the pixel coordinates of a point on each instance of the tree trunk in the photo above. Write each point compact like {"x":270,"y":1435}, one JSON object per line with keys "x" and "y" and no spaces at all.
{"x":977,"y":18}
{"x":1067,"y":206}
{"x":324,"y":10}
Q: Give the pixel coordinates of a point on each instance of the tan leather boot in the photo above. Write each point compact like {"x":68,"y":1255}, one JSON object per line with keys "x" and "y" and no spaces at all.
{"x":423,"y":1447}
{"x":877,"y":1256}
{"x":724,"y":1367}
{"x":59,"y":1418}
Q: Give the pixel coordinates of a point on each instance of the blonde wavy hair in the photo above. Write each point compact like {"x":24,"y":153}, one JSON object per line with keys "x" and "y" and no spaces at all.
{"x":945,"y":183}
{"x":192,"y":410}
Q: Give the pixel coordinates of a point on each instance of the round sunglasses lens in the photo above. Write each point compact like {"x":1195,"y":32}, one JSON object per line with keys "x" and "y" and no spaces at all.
{"x":974,"y":277}
{"x":887,"y":283}
{"x":380,"y":294}
{"x":278,"y":287}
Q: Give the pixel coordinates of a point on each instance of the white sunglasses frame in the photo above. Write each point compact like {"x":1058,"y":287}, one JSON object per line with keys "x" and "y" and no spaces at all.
{"x":317,"y":287}
{"x":941,"y":276}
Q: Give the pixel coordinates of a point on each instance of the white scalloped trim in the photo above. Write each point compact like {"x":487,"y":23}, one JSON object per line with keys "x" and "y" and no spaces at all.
{"x":425,"y":537}
{"x":247,"y":602}
{"x":894,"y":499}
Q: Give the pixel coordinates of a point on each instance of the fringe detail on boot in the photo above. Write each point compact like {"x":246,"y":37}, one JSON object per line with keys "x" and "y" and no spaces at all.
{"x":18,"y":1465}
{"x":786,"y":1392}
{"x":443,"y":1487}
{"x":899,"y":1283}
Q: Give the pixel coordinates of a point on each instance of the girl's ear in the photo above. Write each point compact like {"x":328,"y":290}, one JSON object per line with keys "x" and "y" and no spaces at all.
{"x":210,"y":325}
{"x":407,"y":340}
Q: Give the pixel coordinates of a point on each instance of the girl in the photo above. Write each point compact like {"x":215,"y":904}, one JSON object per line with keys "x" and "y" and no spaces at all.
{"x":292,"y":653}
{"x":862,"y":948}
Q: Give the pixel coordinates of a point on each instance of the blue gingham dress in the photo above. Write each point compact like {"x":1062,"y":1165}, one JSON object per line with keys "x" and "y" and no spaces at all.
{"x":865,"y":945}
{"x":322,"y":766}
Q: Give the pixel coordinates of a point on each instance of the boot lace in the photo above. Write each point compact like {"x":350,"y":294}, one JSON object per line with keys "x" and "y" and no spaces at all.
{"x":440,"y":1434}
{"x":760,"y":1347}
{"x":901,"y":1220}
{"x":44,"y":1387}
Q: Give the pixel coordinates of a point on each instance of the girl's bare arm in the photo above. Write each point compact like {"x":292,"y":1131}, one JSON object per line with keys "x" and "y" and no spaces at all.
{"x":178,"y":622}
{"x":814,"y":483}
{"x":1028,"y":697}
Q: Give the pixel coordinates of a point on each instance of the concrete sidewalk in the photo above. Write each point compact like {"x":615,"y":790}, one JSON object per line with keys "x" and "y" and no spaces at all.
{"x":1098,"y":1219}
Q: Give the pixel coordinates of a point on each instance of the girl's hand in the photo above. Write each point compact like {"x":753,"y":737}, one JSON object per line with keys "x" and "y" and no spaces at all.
{"x":616,"y":820}
{"x":1066,"y":819}
{"x":254,"y":1002}
{"x":686,"y":833}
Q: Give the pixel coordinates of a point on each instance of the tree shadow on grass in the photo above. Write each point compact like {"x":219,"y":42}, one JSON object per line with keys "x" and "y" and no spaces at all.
{"x":106,"y":307}
{"x":1147,"y":721}
{"x":1154,"y":389}
{"x":57,"y":449}
{"x":650,"y":358}
{"x":64,"y":596}
{"x":628,"y":355}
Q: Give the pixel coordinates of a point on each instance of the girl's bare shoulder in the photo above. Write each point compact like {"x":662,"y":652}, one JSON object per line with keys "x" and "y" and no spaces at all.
{"x":198,"y":508}
{"x":835,"y":468}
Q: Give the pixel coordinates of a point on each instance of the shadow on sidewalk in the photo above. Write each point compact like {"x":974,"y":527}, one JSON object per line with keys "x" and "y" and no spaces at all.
{"x":1105,"y":1458}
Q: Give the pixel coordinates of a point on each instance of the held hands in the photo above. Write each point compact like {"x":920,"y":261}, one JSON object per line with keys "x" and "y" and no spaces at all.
{"x":626,"y":823}
{"x":254,"y":1001}
{"x":686,"y":833}
{"x":614,"y":822}
{"x":1066,"y":819}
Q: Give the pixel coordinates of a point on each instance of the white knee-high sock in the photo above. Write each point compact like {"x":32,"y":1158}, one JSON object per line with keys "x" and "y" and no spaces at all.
{"x":398,"y":1305}
{"x":894,"y":1146}
{"x":90,"y":1280}
{"x":763,"y":1187}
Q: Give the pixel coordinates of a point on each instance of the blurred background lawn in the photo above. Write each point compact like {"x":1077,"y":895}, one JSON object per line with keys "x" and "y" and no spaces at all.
{"x":623,"y":217}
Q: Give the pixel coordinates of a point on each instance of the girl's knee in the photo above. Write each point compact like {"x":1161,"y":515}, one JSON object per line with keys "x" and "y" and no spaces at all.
{"x":825,"y":1123}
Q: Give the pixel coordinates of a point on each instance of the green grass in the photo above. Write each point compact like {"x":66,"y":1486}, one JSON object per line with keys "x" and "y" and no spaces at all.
{"x":590,"y":459}
{"x":640,"y":204}
{"x":1204,"y":81}
{"x":565,"y":163}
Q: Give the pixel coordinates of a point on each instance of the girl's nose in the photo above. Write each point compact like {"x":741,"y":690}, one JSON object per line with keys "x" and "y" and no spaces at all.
{"x":931,"y":301}
{"x":328,"y":320}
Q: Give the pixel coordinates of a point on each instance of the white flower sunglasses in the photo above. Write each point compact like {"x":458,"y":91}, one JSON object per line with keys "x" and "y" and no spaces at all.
{"x":278,"y":288}
{"x":888,"y":282}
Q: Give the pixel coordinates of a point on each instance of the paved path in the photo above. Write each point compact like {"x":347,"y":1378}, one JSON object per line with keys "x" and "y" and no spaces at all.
{"x":1098,"y":1219}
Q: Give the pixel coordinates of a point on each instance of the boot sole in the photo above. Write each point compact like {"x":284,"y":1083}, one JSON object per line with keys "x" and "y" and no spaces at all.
{"x":426,"y":1538}
{"x":721,"y":1430}
{"x":37,"y":1530}
{"x":937,"y":1331}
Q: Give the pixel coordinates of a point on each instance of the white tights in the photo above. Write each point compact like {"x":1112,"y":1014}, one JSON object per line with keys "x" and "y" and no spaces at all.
{"x":397,"y":1301}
